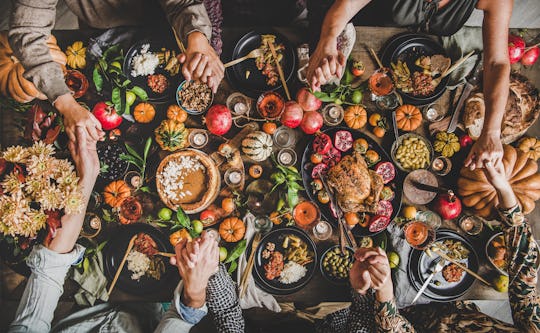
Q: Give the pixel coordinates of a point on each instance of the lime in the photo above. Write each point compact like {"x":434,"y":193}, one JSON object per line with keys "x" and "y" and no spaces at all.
{"x":356,"y":97}
{"x":165,"y":214}
{"x":130,"y":98}
{"x":116,"y":64}
{"x":197,"y":226}
{"x":393,"y":259}
{"x":222,"y":253}
{"x":338,"y":101}
{"x":500,"y":283}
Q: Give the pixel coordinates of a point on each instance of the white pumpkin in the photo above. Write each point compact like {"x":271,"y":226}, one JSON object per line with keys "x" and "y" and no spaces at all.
{"x":257,"y":146}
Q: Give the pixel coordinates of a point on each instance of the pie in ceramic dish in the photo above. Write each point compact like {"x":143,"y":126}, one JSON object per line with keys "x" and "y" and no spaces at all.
{"x":189,"y":179}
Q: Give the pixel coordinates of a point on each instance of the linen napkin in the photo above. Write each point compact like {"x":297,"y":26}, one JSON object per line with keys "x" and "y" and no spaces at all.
{"x":467,"y":39}
{"x":92,"y":282}
{"x":254,"y":297}
{"x":403,"y":290}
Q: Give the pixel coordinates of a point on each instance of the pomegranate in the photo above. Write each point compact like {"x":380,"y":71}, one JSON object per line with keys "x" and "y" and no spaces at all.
{"x":107,"y":116}
{"x":307,"y":100}
{"x":332,"y":157}
{"x":447,"y":205}
{"x":322,"y":143}
{"x":530,"y":56}
{"x":319,"y":169}
{"x":516,"y":48}
{"x":312,"y":122}
{"x":292,"y":115}
{"x":343,"y":140}
{"x":465,"y":141}
{"x":218,"y":119}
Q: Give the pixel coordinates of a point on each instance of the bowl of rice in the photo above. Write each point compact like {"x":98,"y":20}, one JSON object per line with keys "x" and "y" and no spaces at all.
{"x":194,"y":97}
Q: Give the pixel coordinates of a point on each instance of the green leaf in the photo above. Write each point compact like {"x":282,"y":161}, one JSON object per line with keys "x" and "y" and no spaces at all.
{"x":86,"y":264}
{"x":161,"y":225}
{"x":112,"y":52}
{"x":232,"y":267}
{"x":324,"y":97}
{"x":125,"y":83}
{"x":176,"y":227}
{"x":101,"y":246}
{"x":144,"y":189}
{"x":98,"y":79}
{"x":139,"y":92}
{"x":182,"y":218}
{"x":292,"y":197}
{"x":147,"y":148}
{"x":116,"y":100}
{"x":133,"y":152}
{"x":236,"y":251}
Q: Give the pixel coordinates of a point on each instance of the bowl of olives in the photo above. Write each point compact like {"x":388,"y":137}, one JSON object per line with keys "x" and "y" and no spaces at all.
{"x":335,"y":265}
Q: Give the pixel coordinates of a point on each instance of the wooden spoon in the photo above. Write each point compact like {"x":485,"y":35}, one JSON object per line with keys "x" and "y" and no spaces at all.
{"x":128,"y":250}
{"x":253,"y":54}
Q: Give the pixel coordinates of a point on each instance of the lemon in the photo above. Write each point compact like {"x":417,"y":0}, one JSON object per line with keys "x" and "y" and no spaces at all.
{"x":409,"y":212}
{"x":393,"y":259}
{"x":222,"y":253}
{"x":500,"y":283}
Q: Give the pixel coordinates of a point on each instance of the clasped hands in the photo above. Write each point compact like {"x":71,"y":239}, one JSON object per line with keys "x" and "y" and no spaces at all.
{"x":372,"y":270}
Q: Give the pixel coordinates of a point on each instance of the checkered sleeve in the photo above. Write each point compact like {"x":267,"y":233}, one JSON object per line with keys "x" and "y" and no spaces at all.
{"x":222,"y":303}
{"x":358,"y":318}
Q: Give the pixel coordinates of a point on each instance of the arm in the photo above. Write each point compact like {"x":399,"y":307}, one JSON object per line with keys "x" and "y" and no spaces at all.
{"x":191,"y":22}
{"x":326,"y":61}
{"x":31,"y":22}
{"x":496,"y":81}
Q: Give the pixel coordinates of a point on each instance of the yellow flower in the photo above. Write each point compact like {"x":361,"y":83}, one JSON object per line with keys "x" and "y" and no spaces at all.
{"x":11,"y":183}
{"x":73,"y":203}
{"x":40,"y":165}
{"x":16,"y":154}
{"x":50,"y":198}
{"x":41,"y":148}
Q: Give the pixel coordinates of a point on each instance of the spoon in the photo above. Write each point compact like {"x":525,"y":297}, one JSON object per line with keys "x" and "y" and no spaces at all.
{"x":253,"y":54}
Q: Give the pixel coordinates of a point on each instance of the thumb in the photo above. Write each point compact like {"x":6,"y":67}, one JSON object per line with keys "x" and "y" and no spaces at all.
{"x":181,"y":58}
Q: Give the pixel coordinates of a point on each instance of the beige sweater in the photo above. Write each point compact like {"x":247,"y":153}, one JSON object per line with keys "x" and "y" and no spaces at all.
{"x":31,"y":22}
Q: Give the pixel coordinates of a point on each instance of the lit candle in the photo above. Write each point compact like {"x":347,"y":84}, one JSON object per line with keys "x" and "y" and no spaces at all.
{"x":285,"y":157}
{"x":240,"y":108}
{"x":199,"y":139}
{"x":235,"y":177}
{"x":321,"y":227}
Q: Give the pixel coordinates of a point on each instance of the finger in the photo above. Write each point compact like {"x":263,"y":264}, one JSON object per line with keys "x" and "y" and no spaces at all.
{"x":186,"y":260}
{"x":373,"y":260}
{"x":72,"y":149}
{"x":469,"y":159}
{"x":207,"y":74}
{"x":332,"y":64}
{"x":201,"y":66}
{"x":320,"y":75}
{"x":181,"y":58}
{"x":364,"y":255}
{"x":342,"y":59}
{"x":180,"y":246}
{"x":96,"y":123}
{"x":365,"y":282}
{"x":326,"y":70}
{"x":93,"y":133}
{"x":172,"y":261}
{"x":71,"y":134}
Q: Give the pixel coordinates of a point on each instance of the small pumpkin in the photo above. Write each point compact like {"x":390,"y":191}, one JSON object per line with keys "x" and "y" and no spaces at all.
{"x":144,"y":113}
{"x":177,"y":236}
{"x":522,"y":174}
{"x":408,"y":117}
{"x":446,"y":143}
{"x":257,"y":146}
{"x":12,"y":81}
{"x":232,"y":229}
{"x":531,"y":147}
{"x":76,"y":55}
{"x":355,"y":116}
{"x":115,"y":193}
{"x":175,"y":112}
{"x":171,"y":135}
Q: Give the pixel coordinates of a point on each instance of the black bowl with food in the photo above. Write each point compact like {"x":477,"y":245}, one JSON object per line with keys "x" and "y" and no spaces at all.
{"x":194,"y":97}
{"x":112,"y":167}
{"x":335,"y":265}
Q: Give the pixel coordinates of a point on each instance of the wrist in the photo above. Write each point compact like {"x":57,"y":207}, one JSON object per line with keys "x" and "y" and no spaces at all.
{"x":385,"y":294}
{"x":65,"y":103}
{"x":194,"y":297}
{"x":196,"y":38}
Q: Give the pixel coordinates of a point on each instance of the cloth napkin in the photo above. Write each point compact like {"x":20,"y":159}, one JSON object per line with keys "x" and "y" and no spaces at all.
{"x":403,"y":290}
{"x":254,"y":297}
{"x":467,"y":39}
{"x":92,"y":282}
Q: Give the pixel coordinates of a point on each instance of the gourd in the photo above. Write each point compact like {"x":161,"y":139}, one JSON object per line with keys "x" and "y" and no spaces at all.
{"x":446,"y":143}
{"x":76,"y":55}
{"x":12,"y":82}
{"x":171,"y":135}
{"x":232,"y":229}
{"x":175,"y":112}
{"x":521,"y":172}
{"x":408,"y":117}
{"x":144,"y":113}
{"x":115,"y":193}
{"x":177,"y":236}
{"x":355,"y":116}
{"x":257,"y":146}
{"x":531,"y":147}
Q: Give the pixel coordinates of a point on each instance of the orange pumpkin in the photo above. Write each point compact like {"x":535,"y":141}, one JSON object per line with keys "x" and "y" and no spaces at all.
{"x":408,"y":117}
{"x":177,"y":236}
{"x":144,"y":113}
{"x":115,"y":193}
{"x":232,"y":229}
{"x":355,"y":116}
{"x":176,"y":113}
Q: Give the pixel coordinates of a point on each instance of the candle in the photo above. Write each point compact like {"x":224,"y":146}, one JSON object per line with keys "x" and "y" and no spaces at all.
{"x":321,"y":227}
{"x":235,"y":177}
{"x":199,"y":139}
{"x":438,"y":164}
{"x":285,"y":157}
{"x":95,"y":223}
{"x":240,"y":108}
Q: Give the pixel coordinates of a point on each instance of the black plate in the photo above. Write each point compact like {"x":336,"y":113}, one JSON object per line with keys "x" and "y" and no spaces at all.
{"x":325,"y":208}
{"x":420,"y":262}
{"x":274,"y":286}
{"x":114,"y":252}
{"x":141,"y":81}
{"x":407,"y":48}
{"x":255,"y":84}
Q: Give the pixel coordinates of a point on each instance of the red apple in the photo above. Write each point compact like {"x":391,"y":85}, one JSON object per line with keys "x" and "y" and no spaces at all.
{"x":530,"y":56}
{"x":311,"y":122}
{"x":107,"y":116}
{"x":307,"y":100}
{"x":292,"y":115}
{"x":516,"y":47}
{"x":218,"y":119}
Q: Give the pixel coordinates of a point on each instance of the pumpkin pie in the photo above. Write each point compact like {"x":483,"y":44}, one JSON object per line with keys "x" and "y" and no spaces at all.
{"x":188,"y":179}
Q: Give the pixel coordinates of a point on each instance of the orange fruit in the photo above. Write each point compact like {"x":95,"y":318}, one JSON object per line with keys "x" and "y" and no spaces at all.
{"x":364,"y":220}
{"x":177,"y":236}
{"x":317,"y":185}
{"x":379,"y":131}
{"x":361,"y":145}
{"x":374,"y":119}
{"x":227,"y":204}
{"x":177,"y":113}
{"x":351,"y":218}
{"x":323,"y":197}
{"x":316,"y":158}
{"x":372,"y":156}
{"x":255,"y":171}
{"x":409,"y":212}
{"x":269,"y":128}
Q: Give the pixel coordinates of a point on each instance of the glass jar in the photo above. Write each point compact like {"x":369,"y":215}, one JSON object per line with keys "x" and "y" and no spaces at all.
{"x":284,"y":137}
{"x":286,"y":157}
{"x":332,"y":114}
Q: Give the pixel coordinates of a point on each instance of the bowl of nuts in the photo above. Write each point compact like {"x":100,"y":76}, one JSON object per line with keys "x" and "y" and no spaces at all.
{"x":412,"y":152}
{"x":194,"y":97}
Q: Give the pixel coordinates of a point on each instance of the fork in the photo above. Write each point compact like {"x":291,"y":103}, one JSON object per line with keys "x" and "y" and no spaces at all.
{"x":253,"y":54}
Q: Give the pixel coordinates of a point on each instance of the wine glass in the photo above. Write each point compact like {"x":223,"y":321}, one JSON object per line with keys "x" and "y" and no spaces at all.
{"x":419,"y":235}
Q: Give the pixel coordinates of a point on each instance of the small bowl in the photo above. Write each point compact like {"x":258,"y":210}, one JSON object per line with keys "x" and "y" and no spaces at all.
{"x":327,"y":276}
{"x":396,"y":144}
{"x":488,"y":245}
{"x":192,"y":112}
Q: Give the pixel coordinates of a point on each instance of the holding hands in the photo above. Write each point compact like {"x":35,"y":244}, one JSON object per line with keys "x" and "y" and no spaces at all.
{"x":372,"y":270}
{"x":325,"y":63}
{"x":488,"y":148}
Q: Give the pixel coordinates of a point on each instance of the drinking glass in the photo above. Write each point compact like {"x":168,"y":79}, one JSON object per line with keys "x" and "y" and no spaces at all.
{"x":198,"y":138}
{"x":322,"y":230}
{"x":430,"y":218}
{"x":284,"y":137}
{"x":263,"y":224}
{"x":471,"y":225}
{"x":419,"y":235}
{"x":286,"y":157}
{"x":332,"y":114}
{"x":233,"y":177}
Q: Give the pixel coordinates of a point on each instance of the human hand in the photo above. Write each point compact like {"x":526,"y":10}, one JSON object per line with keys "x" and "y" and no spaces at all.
{"x":85,"y":156}
{"x":201,"y":63}
{"x":77,"y":116}
{"x":325,"y":63}
{"x":487,"y":148}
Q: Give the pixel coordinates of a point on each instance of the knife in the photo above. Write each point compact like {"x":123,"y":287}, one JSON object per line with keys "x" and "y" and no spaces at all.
{"x":439,"y":264}
{"x":472,"y":80}
{"x":429,"y":188}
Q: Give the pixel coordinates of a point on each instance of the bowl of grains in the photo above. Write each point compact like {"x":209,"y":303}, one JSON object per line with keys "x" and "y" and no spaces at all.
{"x":194,"y":97}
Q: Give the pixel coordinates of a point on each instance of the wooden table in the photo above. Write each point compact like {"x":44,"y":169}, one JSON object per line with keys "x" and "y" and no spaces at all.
{"x":318,"y":290}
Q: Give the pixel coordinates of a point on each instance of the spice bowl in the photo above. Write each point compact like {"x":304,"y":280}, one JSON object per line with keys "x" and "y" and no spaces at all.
{"x":190,"y":110}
